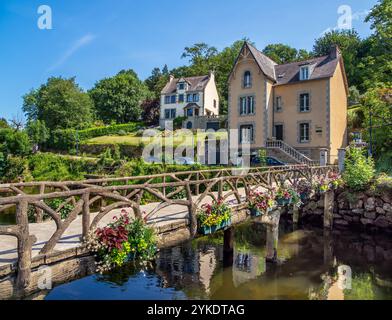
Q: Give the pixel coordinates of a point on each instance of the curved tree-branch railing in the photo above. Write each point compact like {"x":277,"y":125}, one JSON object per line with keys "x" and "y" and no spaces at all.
{"x":188,"y":189}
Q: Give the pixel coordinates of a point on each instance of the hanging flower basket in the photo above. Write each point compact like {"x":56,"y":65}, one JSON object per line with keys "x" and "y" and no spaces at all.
{"x":213,"y":217}
{"x":260,"y":203}
{"x":205,"y":230}
{"x":283,"y":201}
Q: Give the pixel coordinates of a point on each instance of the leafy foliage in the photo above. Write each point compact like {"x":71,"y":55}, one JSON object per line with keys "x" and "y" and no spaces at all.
{"x":282,"y":53}
{"x":122,"y":240}
{"x":359,"y":170}
{"x":60,"y":104}
{"x":14,"y":142}
{"x":119,"y":98}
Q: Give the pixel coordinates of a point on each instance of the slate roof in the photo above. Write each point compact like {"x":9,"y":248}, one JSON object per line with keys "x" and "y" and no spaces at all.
{"x":323,"y":67}
{"x":266,"y":64}
{"x":195,"y":84}
{"x":320,"y":67}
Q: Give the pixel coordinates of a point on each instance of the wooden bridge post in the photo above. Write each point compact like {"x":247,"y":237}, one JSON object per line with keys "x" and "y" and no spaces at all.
{"x":220,"y":189}
{"x":228,"y":247}
{"x":25,"y":242}
{"x":191,"y":211}
{"x":86,"y":214}
{"x":328,"y":209}
{"x":197,"y":187}
{"x":272,"y":243}
{"x":328,"y":247}
{"x":295,"y":214}
{"x":40,"y":212}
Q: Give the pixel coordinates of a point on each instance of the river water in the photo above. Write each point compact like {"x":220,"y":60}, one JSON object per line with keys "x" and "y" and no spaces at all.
{"x":312,"y":264}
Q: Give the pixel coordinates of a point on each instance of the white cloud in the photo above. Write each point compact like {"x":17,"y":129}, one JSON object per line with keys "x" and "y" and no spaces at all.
{"x":83,"y":41}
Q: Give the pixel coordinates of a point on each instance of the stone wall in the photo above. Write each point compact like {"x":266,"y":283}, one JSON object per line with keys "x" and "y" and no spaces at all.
{"x":370,"y":208}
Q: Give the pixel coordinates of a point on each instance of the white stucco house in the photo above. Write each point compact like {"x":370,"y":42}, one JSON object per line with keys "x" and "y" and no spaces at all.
{"x":195,"y":98}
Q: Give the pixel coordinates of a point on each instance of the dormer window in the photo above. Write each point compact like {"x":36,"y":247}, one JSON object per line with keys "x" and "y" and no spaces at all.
{"x":304,"y":73}
{"x":181,"y":86}
{"x":247,"y":79}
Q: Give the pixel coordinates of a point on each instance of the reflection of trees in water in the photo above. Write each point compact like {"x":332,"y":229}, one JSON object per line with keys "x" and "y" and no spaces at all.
{"x":121,"y":275}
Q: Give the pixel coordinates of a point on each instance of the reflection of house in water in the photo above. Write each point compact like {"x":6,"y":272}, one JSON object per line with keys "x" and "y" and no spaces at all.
{"x":189,"y":269}
{"x":247,"y":266}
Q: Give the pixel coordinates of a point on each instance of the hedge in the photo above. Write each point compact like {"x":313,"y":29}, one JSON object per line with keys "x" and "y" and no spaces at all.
{"x":66,"y":139}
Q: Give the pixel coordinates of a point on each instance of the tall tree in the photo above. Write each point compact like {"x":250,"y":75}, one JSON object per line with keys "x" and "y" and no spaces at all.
{"x":349,"y":43}
{"x":3,"y":123}
{"x":60,"y":104}
{"x":282,"y":53}
{"x":376,"y":64}
{"x":157,"y":81}
{"x":119,"y":98}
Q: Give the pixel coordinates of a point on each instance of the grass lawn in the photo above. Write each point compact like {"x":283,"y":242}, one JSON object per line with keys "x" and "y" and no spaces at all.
{"x":133,"y":140}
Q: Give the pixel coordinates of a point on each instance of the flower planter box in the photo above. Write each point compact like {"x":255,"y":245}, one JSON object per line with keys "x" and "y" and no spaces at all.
{"x":205,"y":230}
{"x":283,"y":201}
{"x":255,"y":212}
{"x":304,"y":196}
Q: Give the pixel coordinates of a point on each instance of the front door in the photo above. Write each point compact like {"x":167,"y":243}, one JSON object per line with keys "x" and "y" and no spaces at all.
{"x":279,"y":131}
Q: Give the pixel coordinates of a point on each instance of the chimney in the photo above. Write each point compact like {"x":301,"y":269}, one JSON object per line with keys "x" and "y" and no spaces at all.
{"x":212,"y":75}
{"x":333,"y":54}
{"x":171,"y":78}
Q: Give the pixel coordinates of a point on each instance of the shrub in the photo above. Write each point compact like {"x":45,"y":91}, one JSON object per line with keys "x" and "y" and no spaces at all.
{"x":359,"y":170}
{"x":52,"y":167}
{"x":14,"y":169}
{"x":123,"y":240}
{"x":67,"y":139}
{"x":177,"y":122}
{"x":16,"y":143}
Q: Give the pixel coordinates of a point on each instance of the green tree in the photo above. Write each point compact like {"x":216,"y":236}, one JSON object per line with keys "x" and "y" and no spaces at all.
{"x":119,"y":98}
{"x":3,"y":123}
{"x":282,"y":53}
{"x":349,"y":43}
{"x":377,"y":107}
{"x":14,"y":142}
{"x":358,"y":170}
{"x":376,"y":61}
{"x":60,"y":104}
{"x":157,"y":81}
{"x":37,"y":132}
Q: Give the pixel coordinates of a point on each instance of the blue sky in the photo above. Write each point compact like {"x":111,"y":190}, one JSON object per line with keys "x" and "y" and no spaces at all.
{"x":93,"y":39}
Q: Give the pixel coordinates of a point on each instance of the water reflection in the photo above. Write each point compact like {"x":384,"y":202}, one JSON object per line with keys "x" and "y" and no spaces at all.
{"x":233,"y":266}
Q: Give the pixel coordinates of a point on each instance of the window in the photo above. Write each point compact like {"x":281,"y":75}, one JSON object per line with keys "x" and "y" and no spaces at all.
{"x":189,"y":112}
{"x":170,"y":113}
{"x":173,"y":99}
{"x":304,"y":73}
{"x":180,"y":98}
{"x":214,"y":103}
{"x":181,"y":86}
{"x":246,"y":134}
{"x":247,"y":79}
{"x":304,"y":132}
{"x":304,"y":102}
{"x":247,"y":105}
{"x":192,"y":97}
{"x":167,"y":99}
{"x":278,"y":104}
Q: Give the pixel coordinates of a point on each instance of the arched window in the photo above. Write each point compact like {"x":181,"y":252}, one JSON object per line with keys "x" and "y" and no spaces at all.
{"x":247,"y":79}
{"x":189,"y":125}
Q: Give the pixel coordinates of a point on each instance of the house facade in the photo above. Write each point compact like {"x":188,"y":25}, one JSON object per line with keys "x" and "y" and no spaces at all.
{"x":298,"y":111}
{"x":195,"y":98}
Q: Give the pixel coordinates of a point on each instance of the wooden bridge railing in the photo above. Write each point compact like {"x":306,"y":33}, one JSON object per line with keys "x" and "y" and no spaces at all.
{"x":186,"y":189}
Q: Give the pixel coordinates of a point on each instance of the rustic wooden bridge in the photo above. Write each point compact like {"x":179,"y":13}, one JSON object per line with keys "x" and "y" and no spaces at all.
{"x":169,"y":202}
